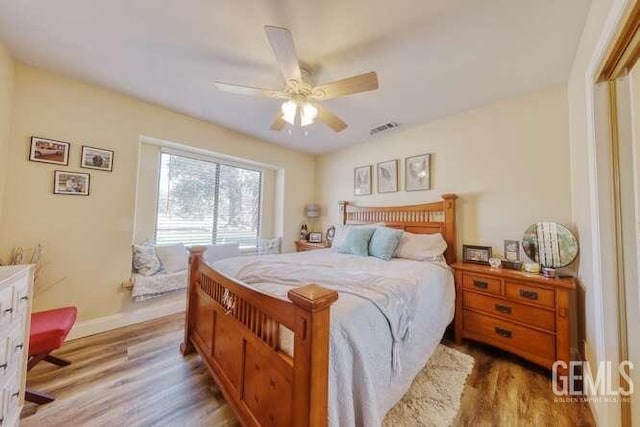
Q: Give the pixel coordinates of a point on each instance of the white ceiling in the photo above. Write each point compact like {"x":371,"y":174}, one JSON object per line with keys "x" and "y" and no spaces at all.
{"x":433,"y":57}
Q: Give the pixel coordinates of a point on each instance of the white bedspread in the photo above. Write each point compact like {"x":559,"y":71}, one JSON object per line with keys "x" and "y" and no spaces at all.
{"x":363,"y":386}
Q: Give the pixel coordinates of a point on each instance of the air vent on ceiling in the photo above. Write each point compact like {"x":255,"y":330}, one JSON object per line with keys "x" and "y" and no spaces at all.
{"x":383,"y":128}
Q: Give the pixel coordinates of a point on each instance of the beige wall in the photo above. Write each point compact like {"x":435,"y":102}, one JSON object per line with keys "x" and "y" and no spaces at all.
{"x":6,"y":97}
{"x":87,"y":239}
{"x":508,"y":162}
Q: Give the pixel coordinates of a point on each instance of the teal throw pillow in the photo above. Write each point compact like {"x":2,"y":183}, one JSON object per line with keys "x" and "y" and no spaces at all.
{"x":356,"y":242}
{"x":384,"y":242}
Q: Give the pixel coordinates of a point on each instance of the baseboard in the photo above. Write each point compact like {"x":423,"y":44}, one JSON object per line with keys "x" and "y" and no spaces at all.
{"x":103,"y":324}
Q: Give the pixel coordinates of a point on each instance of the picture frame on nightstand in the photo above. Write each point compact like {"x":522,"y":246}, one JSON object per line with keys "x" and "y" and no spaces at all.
{"x":473,"y":254}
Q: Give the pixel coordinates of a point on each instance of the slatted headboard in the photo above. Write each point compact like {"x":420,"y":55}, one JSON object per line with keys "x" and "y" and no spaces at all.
{"x":426,"y":218}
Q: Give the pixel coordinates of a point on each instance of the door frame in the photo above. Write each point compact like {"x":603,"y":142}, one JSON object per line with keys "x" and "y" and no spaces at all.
{"x":620,"y":55}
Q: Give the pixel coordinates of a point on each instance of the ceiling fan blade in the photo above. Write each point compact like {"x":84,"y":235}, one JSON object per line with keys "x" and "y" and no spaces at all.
{"x":330,"y":119}
{"x":360,"y":83}
{"x":247,"y":90}
{"x":282,"y":44}
{"x":278,"y":123}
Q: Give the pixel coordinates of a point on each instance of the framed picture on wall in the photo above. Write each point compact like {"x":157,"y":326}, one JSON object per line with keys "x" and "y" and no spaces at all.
{"x":49,"y":151}
{"x":388,"y":176}
{"x":362,"y":181}
{"x":96,"y":158}
{"x":417,"y":173}
{"x":71,"y":183}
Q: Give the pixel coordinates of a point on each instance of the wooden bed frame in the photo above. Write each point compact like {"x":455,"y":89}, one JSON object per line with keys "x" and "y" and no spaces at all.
{"x":235,"y":329}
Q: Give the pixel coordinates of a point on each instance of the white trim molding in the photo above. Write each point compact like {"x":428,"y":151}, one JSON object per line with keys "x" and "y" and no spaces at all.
{"x":119,"y":320}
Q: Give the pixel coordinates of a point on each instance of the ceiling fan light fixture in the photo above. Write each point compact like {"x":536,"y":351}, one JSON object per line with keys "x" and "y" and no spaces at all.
{"x":308,"y":114}
{"x":289,"y":110}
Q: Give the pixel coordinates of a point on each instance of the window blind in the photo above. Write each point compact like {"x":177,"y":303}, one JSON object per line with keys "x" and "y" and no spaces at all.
{"x":202,"y":202}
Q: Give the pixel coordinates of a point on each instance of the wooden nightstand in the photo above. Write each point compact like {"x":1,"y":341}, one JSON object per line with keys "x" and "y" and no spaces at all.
{"x":525,"y":314}
{"x":303,"y":245}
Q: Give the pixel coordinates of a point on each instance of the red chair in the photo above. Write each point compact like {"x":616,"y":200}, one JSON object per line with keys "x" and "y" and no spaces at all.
{"x":48,"y":331}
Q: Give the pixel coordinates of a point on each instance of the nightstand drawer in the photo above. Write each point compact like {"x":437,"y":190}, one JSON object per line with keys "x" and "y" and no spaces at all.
{"x":532,"y":294}
{"x":482,"y":283}
{"x":533,"y":316}
{"x":521,"y":340}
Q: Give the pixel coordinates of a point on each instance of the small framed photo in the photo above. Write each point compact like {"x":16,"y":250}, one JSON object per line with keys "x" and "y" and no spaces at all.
{"x":512,"y":250}
{"x":476,"y":254}
{"x":417,"y":174}
{"x":49,"y":151}
{"x":362,"y":181}
{"x":96,"y":158}
{"x":71,"y":183}
{"x":315,"y":237}
{"x":388,"y":176}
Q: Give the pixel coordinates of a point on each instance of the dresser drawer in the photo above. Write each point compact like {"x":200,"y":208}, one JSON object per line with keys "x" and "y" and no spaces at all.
{"x":521,"y":340}
{"x":6,"y":306}
{"x":21,"y":300}
{"x":16,"y":347}
{"x":4,"y":359}
{"x":532,"y":294}
{"x":482,"y":283}
{"x":511,"y":310}
{"x":10,"y":403}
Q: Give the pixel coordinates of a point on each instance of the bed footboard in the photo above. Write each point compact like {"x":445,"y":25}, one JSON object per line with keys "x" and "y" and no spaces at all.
{"x":236,"y":331}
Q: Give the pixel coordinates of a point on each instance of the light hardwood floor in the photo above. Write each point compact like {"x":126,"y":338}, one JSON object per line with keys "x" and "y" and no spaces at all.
{"x":135,"y":376}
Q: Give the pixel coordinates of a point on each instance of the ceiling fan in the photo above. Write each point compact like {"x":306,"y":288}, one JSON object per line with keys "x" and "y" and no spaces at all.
{"x":300,"y":97}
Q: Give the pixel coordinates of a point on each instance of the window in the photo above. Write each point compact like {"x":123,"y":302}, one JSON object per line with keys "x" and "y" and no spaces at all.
{"x":201,"y":201}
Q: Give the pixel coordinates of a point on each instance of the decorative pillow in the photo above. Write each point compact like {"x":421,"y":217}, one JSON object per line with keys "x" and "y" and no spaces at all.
{"x":269,"y":246}
{"x":384,"y":242}
{"x":420,"y":247}
{"x":174,"y":258}
{"x":356,"y":241}
{"x":221,"y":251}
{"x":145,"y":259}
{"x":342,"y":230}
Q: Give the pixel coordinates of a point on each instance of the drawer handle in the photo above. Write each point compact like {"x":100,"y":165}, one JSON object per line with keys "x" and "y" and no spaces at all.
{"x":9,"y":310}
{"x":3,"y":366}
{"x":19,"y":346}
{"x":480,"y":285}
{"x":24,"y":298}
{"x":16,"y":394}
{"x":503,"y":332}
{"x":528,"y":294}
{"x":503,"y":308}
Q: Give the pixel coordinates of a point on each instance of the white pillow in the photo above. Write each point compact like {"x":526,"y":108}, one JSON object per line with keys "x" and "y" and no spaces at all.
{"x":145,"y":260}
{"x":420,"y":247}
{"x":221,"y":251}
{"x":174,"y":258}
{"x":341,"y":232}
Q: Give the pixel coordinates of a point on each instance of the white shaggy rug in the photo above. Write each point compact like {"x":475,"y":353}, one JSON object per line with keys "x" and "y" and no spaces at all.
{"x":434,"y":397}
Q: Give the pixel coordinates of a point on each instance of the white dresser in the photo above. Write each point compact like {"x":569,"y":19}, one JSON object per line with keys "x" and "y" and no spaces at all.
{"x":16,"y":290}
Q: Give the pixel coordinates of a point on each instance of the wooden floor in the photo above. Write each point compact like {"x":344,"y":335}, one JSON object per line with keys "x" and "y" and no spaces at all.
{"x":135,"y":376}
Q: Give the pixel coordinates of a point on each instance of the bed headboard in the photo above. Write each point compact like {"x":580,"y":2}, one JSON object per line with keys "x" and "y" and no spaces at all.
{"x":426,"y":218}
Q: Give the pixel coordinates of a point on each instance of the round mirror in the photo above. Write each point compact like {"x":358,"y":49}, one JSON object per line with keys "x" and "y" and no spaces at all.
{"x":550,"y":244}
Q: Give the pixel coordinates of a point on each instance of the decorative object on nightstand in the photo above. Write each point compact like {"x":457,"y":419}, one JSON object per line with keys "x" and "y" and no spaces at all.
{"x":331,"y":233}
{"x":302,"y":246}
{"x":495,"y":262}
{"x":525,"y":314}
{"x":476,"y":254}
{"x":551,"y":245}
{"x":512,"y":250}
{"x":303,"y":232}
{"x":315,"y":237}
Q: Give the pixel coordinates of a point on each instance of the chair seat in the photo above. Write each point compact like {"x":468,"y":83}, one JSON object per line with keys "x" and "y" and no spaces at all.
{"x":50,"y":328}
